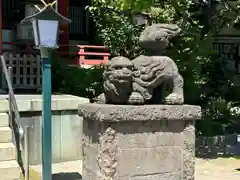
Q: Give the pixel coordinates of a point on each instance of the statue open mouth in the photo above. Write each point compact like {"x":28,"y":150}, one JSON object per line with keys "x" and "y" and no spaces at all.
{"x":122,"y":76}
{"x":126,"y":78}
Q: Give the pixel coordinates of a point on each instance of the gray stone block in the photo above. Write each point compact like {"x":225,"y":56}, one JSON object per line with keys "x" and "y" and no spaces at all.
{"x":160,"y":133}
{"x":138,"y":142}
{"x":120,"y":113}
{"x":164,"y":176}
{"x":90,"y":154}
{"x":144,"y":161}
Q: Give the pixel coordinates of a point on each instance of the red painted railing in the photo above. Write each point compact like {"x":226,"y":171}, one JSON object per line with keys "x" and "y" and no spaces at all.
{"x":97,"y":58}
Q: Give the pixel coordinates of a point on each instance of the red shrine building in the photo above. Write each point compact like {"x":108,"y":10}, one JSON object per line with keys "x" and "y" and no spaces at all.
{"x":17,"y":41}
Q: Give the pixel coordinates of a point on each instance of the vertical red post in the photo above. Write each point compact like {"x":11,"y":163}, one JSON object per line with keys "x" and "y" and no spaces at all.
{"x":1,"y":26}
{"x":63,"y":6}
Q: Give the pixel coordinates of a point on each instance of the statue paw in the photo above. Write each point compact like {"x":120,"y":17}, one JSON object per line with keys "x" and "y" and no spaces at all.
{"x":136,"y":99}
{"x":174,"y":99}
{"x":101,"y":99}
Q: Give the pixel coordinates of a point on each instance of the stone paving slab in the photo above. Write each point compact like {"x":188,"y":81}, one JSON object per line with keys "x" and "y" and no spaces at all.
{"x":33,"y":102}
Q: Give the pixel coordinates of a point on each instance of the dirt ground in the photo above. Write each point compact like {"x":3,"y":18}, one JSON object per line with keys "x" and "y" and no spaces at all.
{"x":217,"y":169}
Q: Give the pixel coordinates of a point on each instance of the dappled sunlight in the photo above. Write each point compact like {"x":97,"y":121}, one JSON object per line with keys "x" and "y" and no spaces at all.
{"x":218,"y":169}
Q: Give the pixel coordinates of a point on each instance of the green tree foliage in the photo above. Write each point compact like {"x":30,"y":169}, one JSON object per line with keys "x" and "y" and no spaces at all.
{"x":115,"y":29}
{"x":208,"y":82}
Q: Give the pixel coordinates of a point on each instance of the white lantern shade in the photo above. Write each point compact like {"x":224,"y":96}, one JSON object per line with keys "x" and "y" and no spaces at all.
{"x":45,"y":33}
{"x":46,"y":26}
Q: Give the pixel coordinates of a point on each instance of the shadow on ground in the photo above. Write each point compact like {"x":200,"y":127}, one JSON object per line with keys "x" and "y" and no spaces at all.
{"x":217,"y":146}
{"x":67,"y":176}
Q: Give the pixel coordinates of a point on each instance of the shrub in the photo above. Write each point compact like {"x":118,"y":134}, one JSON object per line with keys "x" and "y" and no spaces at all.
{"x":76,"y":80}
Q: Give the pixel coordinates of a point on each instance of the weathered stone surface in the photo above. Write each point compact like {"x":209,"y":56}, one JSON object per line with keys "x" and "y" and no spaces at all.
{"x":189,"y":151}
{"x":121,"y":113}
{"x":90,"y":154}
{"x":107,"y":159}
{"x":138,"y":142}
{"x":147,"y":135}
{"x":162,"y":176}
{"x":146,"y":161}
{"x":88,"y":174}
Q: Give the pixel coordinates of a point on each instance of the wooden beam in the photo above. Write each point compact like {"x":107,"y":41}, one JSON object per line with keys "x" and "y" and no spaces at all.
{"x":1,"y":26}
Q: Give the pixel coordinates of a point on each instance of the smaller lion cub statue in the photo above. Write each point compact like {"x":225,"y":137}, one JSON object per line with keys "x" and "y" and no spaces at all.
{"x":142,"y":80}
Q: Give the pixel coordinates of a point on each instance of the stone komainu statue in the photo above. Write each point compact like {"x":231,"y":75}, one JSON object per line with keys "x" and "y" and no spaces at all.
{"x":148,"y":74}
{"x":117,"y":84}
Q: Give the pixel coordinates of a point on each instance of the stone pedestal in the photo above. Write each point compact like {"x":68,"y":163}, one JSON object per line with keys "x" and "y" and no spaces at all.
{"x":155,"y":142}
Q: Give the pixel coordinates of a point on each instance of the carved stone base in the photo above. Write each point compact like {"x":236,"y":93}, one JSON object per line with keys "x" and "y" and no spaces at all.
{"x":138,"y":142}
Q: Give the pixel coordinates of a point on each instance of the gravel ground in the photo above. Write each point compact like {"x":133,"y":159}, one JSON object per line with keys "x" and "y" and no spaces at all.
{"x":217,"y":169}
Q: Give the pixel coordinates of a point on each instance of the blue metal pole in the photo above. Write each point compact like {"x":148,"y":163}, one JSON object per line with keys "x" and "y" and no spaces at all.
{"x":47,"y":120}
